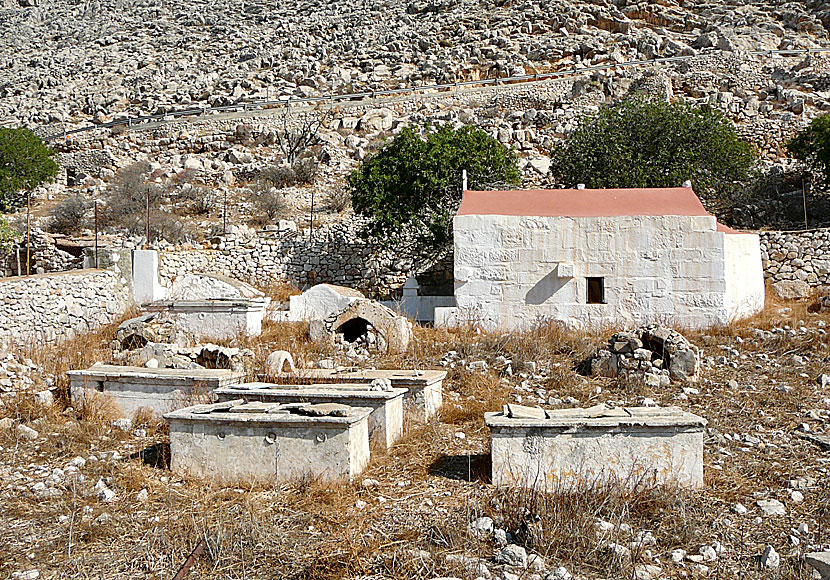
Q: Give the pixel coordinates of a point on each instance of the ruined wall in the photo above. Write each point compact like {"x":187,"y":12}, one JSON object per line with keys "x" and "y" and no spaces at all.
{"x":797,"y":256}
{"x":46,"y":308}
{"x":334,"y":254}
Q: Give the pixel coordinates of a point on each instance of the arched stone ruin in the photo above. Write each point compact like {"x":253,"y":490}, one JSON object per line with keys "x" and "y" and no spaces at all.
{"x":393,"y":333}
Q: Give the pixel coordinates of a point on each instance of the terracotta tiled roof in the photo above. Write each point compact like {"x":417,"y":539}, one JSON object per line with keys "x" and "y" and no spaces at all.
{"x":584,"y":202}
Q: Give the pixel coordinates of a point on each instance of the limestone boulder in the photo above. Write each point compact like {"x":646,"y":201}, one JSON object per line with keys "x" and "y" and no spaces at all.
{"x":792,"y":289}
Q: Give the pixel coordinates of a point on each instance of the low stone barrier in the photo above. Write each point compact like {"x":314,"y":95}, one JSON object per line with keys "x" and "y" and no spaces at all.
{"x":47,"y":308}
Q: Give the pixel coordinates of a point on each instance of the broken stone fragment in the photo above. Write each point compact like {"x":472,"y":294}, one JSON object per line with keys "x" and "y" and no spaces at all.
{"x":820,"y":561}
{"x":26,"y":432}
{"x":276,"y":361}
{"x":522,"y":412}
{"x":325,"y":410}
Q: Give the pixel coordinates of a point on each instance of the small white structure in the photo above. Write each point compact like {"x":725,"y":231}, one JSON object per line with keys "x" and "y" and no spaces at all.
{"x":210,"y":306}
{"x":160,"y":390}
{"x":321,"y":301}
{"x":425,"y":388}
{"x":596,"y":257}
{"x":234,"y":442}
{"x":385,"y":422}
{"x":217,"y":319}
{"x":552,"y":450}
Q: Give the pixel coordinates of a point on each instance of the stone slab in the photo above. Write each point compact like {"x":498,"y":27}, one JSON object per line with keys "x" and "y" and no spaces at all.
{"x":423,"y":400}
{"x":385,"y":422}
{"x":581,"y":447}
{"x":160,"y":390}
{"x":212,"y":442}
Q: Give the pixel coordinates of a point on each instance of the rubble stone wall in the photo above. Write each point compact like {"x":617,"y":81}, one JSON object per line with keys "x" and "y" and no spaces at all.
{"x":801,"y":256}
{"x":334,"y":254}
{"x":47,"y":308}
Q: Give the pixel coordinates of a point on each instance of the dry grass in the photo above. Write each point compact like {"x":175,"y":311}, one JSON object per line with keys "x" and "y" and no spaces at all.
{"x":432,"y":483}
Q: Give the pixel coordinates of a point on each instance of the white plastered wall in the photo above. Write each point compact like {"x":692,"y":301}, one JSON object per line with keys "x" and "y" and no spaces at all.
{"x":745,"y":291}
{"x":515,"y":271}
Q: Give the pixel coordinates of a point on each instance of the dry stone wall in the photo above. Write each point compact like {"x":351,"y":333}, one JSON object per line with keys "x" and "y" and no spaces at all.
{"x":801,"y":256}
{"x":47,"y":308}
{"x":333,"y":254}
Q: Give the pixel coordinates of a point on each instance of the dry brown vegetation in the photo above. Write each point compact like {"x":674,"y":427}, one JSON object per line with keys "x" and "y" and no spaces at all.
{"x":434,"y":482}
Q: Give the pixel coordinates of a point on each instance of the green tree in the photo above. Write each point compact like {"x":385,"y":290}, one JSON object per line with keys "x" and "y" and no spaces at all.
{"x":643,"y":143}
{"x":25,"y":163}
{"x":812,"y":146}
{"x":412,"y":185}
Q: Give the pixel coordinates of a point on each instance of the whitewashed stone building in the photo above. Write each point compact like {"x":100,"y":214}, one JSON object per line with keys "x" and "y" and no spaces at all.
{"x":595,"y":257}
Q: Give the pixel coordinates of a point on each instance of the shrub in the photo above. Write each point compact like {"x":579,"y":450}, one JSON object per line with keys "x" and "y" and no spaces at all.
{"x":414,"y":182}
{"x":268,"y":203}
{"x":25,"y":163}
{"x":337,"y":200}
{"x":126,"y":207}
{"x":643,"y":143}
{"x":302,"y":172}
{"x":69,"y":216}
{"x":812,"y":146}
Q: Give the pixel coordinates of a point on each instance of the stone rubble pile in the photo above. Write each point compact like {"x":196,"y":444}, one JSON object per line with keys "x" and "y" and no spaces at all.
{"x":156,"y":341}
{"x":652,"y":355}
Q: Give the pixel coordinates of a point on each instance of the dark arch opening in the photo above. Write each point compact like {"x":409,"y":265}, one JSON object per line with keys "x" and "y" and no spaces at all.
{"x":353,"y":329}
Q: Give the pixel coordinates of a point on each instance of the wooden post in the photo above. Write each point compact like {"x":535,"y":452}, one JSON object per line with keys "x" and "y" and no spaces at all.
{"x":28,"y":231}
{"x":147,"y":225}
{"x":96,"y":234}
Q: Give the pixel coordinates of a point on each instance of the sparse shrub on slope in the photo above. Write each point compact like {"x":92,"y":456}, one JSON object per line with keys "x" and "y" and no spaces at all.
{"x":69,"y":216}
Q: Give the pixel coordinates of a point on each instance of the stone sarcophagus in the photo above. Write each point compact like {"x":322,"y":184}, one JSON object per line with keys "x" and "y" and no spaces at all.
{"x":423,"y":400}
{"x":160,"y":390}
{"x":235,"y":441}
{"x":559,"y":449}
{"x":385,"y":422}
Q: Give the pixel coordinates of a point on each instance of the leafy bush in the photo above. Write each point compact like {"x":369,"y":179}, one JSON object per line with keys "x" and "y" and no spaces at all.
{"x":642,"y":143}
{"x":69,"y":216}
{"x":25,"y":163}
{"x":414,"y":182}
{"x":812,"y":146}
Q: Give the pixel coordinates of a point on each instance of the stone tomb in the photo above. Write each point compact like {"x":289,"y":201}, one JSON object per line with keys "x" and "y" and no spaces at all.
{"x":556,"y":449}
{"x":423,"y":400}
{"x":161,"y":390}
{"x":385,"y":422}
{"x":234,"y":441}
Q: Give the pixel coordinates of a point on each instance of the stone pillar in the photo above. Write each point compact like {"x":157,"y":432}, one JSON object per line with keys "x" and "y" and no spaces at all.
{"x":146,"y":286}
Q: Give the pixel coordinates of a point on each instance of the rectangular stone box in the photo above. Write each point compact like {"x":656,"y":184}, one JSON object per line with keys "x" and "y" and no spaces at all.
{"x":579,"y":447}
{"x":385,"y":422}
{"x":217,"y":319}
{"x":161,"y":390}
{"x":423,"y":400}
{"x":231,"y":443}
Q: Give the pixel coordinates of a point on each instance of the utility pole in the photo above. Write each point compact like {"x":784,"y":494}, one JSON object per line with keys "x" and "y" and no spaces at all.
{"x":804,"y":201}
{"x":225,"y":214}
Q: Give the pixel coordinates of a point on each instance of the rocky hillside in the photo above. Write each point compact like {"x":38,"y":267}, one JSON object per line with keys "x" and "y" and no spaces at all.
{"x":68,"y":60}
